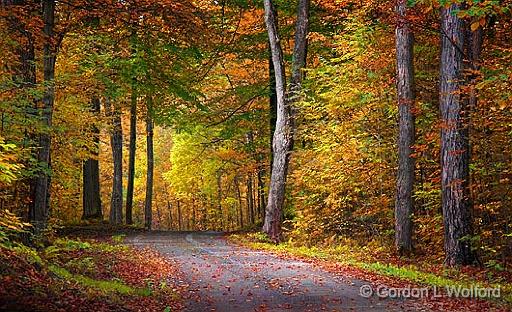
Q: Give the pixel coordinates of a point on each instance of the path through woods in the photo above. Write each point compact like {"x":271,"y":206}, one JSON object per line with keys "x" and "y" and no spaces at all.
{"x":224,"y":277}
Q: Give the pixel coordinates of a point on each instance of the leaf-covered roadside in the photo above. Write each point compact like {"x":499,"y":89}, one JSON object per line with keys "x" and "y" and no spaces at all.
{"x":76,"y":275}
{"x":378,"y":268}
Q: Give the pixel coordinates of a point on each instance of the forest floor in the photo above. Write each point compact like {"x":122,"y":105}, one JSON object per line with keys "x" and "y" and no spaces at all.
{"x":86,"y":274}
{"x":90,"y":269}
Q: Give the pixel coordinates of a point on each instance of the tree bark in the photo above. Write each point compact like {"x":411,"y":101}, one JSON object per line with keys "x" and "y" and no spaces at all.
{"x":91,"y":198}
{"x":240,"y":205}
{"x":40,"y":207}
{"x":272,"y":105}
{"x":455,"y":153}
{"x":116,"y":141}
{"x":179,"y":215}
{"x":148,"y":212}
{"x":219,"y":198}
{"x":406,"y":101}
{"x":133,"y":133}
{"x":261,"y":190}
{"x":283,"y":135}
{"x":131,"y":157}
{"x":250,"y":199}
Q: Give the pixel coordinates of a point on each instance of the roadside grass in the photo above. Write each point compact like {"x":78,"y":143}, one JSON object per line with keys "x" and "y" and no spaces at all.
{"x":351,"y":257}
{"x":77,"y":275}
{"x":104,"y":286}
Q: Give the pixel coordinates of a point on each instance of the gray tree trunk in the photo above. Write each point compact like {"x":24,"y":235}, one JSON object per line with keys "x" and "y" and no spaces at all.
{"x":179,"y":215}
{"x":250,"y":199}
{"x":261,"y":189}
{"x":240,"y":205}
{"x":283,"y":135}
{"x":39,"y":210}
{"x":406,"y":101}
{"x":91,"y":198}
{"x":148,"y":210}
{"x":116,"y":141}
{"x":272,"y":106}
{"x":455,"y":153}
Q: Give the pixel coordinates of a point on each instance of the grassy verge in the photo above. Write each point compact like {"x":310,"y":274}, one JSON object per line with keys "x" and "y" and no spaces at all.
{"x":418,"y":274}
{"x":76,"y":275}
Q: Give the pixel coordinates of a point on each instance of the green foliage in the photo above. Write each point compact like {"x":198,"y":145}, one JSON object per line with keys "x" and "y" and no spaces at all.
{"x":9,"y":167}
{"x":103,"y":286}
{"x":11,"y":227}
{"x":118,"y":239}
{"x":341,"y":183}
{"x":259,"y":237}
{"x":85,"y":265}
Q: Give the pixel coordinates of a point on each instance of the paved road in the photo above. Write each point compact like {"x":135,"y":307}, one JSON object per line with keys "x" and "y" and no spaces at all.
{"x":223,"y":277}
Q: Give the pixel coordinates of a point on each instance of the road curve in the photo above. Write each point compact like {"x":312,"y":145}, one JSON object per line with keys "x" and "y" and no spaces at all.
{"x":222,"y":277}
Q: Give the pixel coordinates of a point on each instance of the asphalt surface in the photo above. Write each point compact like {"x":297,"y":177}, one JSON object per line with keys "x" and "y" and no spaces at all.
{"x":223,"y":277}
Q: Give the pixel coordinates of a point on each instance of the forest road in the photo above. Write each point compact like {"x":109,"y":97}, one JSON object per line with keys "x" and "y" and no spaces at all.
{"x":224,"y":277}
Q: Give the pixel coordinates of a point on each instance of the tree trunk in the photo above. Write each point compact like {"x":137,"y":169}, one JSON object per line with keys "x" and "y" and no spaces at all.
{"x":179,"y":215}
{"x":283,"y":135}
{"x":131,"y":157}
{"x":133,"y":133}
{"x":261,"y":191}
{"x":91,"y":198}
{"x":406,"y":101}
{"x":272,"y":105}
{"x":455,"y":152}
{"x":193,"y":217}
{"x":169,"y":209}
{"x":219,"y":198}
{"x":250,"y":199}
{"x":240,"y":205}
{"x":41,"y":190}
{"x":150,"y":166}
{"x":116,"y":141}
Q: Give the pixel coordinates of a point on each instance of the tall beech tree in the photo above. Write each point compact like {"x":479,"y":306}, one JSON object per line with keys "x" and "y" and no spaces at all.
{"x":455,"y":149}
{"x":285,"y":122}
{"x":405,"y":92}
{"x":40,"y":207}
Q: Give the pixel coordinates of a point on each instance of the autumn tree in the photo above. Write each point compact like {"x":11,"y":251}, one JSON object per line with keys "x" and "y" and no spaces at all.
{"x":455,"y":149}
{"x":406,"y":100}
{"x":285,"y":123}
{"x":133,"y":129}
{"x":39,"y":210}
